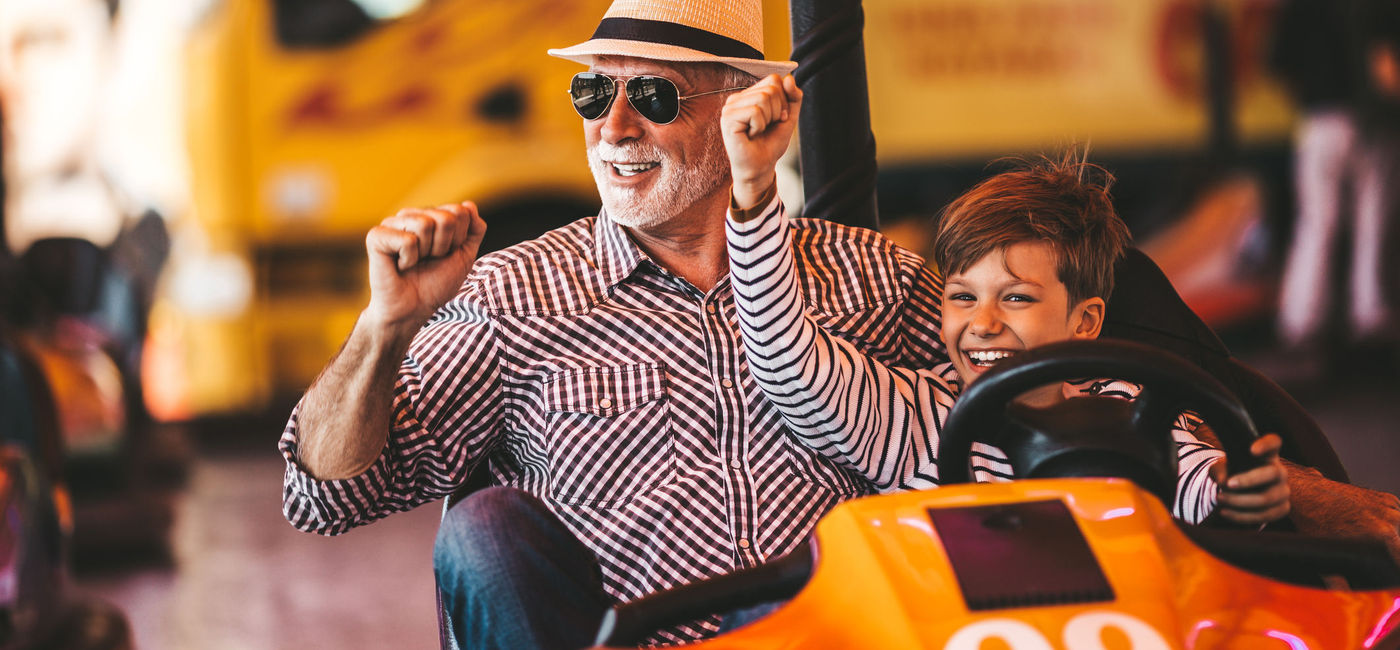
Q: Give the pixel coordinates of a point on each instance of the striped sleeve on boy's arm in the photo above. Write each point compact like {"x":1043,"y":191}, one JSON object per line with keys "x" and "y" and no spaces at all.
{"x":1196,"y":491}
{"x":880,"y":421}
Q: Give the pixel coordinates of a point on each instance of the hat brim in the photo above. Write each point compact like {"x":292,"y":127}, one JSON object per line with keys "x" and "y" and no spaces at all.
{"x":585,"y":52}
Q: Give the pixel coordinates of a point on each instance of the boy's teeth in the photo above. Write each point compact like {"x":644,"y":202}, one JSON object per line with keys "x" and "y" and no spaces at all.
{"x":631,"y":169}
{"x":988,"y":356}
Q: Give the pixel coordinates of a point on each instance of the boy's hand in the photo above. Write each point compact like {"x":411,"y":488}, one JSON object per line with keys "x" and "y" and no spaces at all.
{"x":1257,"y":496}
{"x":757,"y":125}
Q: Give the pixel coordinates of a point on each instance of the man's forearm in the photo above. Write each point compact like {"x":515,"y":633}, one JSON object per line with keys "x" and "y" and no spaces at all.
{"x":1322,"y":503}
{"x":345,"y":417}
{"x":1330,"y":509}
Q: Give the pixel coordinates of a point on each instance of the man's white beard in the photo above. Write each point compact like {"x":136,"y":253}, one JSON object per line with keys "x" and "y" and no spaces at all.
{"x":671,"y":194}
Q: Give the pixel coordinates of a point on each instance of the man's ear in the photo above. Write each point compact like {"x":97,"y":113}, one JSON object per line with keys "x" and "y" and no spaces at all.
{"x":1087,"y":318}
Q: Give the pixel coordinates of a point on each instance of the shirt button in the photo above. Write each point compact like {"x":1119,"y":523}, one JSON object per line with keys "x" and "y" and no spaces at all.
{"x":726,"y":383}
{"x":743,"y":542}
{"x":605,"y":403}
{"x":736,"y":464}
{"x":710,"y":308}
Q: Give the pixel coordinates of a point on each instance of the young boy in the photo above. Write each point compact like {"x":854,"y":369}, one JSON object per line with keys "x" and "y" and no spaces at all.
{"x":1027,"y":258}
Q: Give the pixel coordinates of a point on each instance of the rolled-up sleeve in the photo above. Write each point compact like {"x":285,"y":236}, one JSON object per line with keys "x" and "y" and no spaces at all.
{"x":446,"y":414}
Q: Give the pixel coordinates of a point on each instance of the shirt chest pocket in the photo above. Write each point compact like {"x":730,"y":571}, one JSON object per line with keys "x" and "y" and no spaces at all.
{"x":609,"y":433}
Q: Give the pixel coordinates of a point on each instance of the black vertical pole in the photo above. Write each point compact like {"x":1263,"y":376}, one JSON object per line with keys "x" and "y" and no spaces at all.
{"x":838,"y":147}
{"x":1220,"y":83}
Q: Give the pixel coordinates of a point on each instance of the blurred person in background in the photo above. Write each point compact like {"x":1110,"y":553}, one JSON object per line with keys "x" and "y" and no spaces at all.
{"x":1332,"y":56}
{"x":1380,"y":121}
{"x":1341,"y":60}
{"x":54,"y":59}
{"x":53,"y":71}
{"x":81,"y":167}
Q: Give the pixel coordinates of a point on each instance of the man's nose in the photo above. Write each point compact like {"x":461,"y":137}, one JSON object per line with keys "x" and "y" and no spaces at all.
{"x":622,"y":122}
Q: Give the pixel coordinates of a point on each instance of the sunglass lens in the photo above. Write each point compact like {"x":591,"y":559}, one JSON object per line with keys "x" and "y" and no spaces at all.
{"x":655,"y":98}
{"x":592,"y":93}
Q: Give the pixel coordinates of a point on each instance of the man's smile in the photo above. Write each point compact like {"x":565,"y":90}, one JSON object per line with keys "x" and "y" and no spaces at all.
{"x":632,"y":169}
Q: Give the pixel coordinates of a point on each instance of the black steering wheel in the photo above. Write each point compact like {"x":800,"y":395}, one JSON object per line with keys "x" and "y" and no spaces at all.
{"x":1093,"y":436}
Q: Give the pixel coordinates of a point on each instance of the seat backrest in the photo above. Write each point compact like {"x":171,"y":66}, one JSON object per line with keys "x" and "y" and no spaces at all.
{"x":1146,"y":308}
{"x":28,"y":414}
{"x":66,"y":273}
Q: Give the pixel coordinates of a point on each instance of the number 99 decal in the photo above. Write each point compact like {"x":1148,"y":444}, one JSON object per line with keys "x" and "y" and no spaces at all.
{"x":1083,"y":632}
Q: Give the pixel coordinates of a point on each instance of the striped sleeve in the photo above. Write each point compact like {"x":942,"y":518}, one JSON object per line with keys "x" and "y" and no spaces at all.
{"x":1196,"y":491}
{"x":446,"y":405}
{"x":882,"y":422}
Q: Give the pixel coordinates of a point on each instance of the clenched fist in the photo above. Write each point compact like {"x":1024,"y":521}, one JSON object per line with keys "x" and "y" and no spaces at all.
{"x":757,"y":125}
{"x":418,"y":259}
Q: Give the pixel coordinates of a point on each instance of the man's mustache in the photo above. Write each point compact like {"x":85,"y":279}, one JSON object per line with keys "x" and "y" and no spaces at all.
{"x":634,"y":152}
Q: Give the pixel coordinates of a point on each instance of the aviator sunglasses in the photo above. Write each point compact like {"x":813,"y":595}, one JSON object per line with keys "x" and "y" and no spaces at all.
{"x":655,"y":98}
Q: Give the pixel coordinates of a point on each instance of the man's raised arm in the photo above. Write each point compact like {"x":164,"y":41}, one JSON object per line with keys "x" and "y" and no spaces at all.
{"x":418,"y":259}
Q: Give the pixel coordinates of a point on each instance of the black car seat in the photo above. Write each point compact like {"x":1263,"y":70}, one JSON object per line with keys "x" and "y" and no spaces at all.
{"x":1146,"y":308}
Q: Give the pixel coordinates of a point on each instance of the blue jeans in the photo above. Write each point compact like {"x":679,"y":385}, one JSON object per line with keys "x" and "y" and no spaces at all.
{"x":513,"y":576}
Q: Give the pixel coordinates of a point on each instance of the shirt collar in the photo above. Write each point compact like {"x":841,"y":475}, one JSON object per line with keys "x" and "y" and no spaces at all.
{"x":618,"y":255}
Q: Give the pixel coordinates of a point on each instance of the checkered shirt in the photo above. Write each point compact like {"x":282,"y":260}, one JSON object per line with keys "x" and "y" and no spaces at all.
{"x":577,"y":369}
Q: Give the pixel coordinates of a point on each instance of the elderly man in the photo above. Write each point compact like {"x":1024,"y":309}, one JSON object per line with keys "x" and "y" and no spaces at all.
{"x":597,"y":373}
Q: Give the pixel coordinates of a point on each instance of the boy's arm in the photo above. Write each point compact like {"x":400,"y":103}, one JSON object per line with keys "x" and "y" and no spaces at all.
{"x":757,"y":126}
{"x":1258,"y":496}
{"x":1196,"y":492}
{"x":880,"y":421}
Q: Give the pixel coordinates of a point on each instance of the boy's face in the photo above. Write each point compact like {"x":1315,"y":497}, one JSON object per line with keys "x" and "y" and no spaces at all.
{"x":1009,"y":301}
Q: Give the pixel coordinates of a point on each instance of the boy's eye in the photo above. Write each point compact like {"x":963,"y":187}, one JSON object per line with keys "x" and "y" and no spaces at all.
{"x":1017,"y":297}
{"x":960,"y":296}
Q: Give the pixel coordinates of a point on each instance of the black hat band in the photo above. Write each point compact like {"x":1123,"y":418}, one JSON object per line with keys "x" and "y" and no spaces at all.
{"x":667,"y":33}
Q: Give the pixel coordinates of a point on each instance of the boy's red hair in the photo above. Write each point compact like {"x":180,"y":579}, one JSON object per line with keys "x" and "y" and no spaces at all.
{"x":1064,"y":203}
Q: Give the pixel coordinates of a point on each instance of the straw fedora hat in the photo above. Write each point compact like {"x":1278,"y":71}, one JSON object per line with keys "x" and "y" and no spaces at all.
{"x":714,"y":31}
